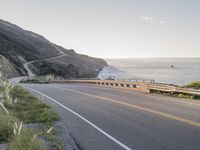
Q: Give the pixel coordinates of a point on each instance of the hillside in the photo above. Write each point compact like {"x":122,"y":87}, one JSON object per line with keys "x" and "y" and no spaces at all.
{"x":7,"y":68}
{"x":20,"y":46}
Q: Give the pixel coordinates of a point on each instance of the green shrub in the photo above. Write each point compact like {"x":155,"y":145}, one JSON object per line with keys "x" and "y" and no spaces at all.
{"x":25,"y":141}
{"x":195,"y":85}
{"x":184,"y":96}
{"x":29,"y":109}
{"x":39,"y":79}
{"x":36,"y":115}
{"x":52,"y":136}
{"x":6,"y":127}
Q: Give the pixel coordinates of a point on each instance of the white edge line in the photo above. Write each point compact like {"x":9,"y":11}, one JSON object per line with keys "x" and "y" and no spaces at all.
{"x":84,"y":119}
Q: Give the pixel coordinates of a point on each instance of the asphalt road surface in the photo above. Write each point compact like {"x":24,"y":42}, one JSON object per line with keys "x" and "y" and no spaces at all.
{"x":101,"y":118}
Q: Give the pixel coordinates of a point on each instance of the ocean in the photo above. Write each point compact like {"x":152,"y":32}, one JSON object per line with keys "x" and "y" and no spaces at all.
{"x":179,"y":71}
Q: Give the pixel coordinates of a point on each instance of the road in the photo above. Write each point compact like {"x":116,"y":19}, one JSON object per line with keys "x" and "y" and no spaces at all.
{"x":100,"y":118}
{"x":27,"y":64}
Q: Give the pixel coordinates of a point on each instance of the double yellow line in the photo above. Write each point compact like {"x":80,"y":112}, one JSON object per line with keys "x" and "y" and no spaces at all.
{"x":136,"y":107}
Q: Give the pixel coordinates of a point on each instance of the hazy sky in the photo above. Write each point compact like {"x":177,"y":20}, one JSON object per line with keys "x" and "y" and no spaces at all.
{"x":112,"y":28}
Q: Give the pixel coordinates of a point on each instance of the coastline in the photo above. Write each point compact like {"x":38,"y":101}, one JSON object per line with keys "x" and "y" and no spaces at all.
{"x":184,"y":71}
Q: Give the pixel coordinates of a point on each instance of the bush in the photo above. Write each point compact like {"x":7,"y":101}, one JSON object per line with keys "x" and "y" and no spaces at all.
{"x":29,"y":109}
{"x":195,"y":85}
{"x":39,"y":79}
{"x":6,"y":127}
{"x":25,"y":141}
{"x":184,"y":96}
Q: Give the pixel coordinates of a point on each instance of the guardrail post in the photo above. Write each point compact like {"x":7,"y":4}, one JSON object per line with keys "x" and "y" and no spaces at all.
{"x":144,"y":87}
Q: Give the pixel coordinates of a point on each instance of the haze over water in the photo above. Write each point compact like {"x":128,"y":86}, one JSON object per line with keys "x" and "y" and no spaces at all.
{"x":185,"y":70}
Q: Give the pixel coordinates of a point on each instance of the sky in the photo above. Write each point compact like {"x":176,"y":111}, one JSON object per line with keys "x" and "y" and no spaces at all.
{"x":112,"y":28}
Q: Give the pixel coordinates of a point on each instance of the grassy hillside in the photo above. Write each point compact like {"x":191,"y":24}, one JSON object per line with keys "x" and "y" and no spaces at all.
{"x":18,"y":108}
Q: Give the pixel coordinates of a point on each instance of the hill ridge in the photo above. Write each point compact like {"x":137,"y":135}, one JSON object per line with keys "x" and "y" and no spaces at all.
{"x":20,"y":46}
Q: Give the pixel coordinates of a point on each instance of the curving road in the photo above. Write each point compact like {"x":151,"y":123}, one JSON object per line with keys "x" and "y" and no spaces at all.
{"x":100,"y":118}
{"x":27,"y":64}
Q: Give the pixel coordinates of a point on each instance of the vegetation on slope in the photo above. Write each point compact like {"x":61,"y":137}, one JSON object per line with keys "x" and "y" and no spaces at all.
{"x":25,"y":141}
{"x":7,"y":68}
{"x":195,"y":85}
{"x":6,"y":127}
{"x":17,"y":106}
{"x":29,"y":109}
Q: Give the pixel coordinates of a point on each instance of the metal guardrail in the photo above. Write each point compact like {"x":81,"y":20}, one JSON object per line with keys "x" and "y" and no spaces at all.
{"x":174,"y":89}
{"x":137,"y":86}
{"x":114,"y":79}
{"x":136,"y":80}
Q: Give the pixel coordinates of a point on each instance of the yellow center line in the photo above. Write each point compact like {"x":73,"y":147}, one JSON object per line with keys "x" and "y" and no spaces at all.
{"x":136,"y":107}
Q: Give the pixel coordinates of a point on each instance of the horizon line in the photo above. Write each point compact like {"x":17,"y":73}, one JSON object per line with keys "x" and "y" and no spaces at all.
{"x":150,"y":57}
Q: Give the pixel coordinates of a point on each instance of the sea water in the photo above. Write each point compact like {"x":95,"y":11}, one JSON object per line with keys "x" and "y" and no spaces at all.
{"x":177,"y":71}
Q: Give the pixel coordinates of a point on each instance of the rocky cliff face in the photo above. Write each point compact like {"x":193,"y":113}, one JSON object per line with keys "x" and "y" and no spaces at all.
{"x":20,"y":46}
